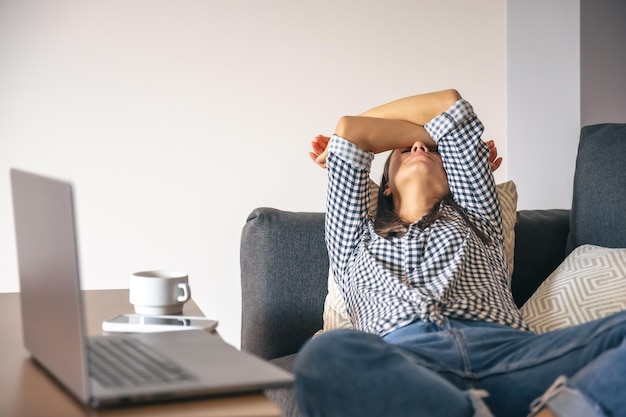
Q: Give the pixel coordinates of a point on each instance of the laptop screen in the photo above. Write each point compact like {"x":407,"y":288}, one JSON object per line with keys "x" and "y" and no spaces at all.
{"x":52,"y":311}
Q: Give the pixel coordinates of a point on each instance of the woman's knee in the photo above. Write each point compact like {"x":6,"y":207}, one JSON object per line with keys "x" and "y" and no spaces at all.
{"x":610,"y":329}
{"x":333,"y":349}
{"x":346,"y":372}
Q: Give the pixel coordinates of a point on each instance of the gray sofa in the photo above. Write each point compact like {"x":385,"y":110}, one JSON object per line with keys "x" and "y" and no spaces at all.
{"x":284,"y":264}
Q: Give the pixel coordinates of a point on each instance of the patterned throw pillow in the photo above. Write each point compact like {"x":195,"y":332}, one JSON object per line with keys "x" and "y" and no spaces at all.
{"x":589,"y":284}
{"x":335,"y":314}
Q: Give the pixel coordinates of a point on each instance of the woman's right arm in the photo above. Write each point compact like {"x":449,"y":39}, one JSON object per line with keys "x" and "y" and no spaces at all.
{"x":419,"y":109}
{"x":393,"y":125}
{"x":376,"y":135}
{"x":397,"y":124}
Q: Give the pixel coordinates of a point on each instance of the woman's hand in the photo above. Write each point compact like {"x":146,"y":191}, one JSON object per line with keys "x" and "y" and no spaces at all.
{"x":319,"y":153}
{"x":494,"y":161}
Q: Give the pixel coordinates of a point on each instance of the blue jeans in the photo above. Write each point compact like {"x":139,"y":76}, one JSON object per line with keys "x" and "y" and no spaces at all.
{"x":466,"y":368}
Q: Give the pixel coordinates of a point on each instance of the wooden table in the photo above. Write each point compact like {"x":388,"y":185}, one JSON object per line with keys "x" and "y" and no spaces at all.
{"x":27,"y":391}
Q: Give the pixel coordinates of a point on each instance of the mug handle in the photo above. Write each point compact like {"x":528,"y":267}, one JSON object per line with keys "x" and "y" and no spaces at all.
{"x":186,"y":293}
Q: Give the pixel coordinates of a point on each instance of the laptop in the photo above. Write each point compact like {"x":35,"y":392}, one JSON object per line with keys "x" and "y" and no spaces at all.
{"x":192,"y":363}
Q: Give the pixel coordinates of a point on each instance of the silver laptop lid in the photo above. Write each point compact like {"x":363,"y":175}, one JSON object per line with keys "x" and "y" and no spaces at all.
{"x":52,"y":310}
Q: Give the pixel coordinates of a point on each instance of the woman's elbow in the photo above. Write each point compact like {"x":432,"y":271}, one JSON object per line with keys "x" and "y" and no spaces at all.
{"x":345,"y":125}
{"x":355,"y":129}
{"x":452,"y":95}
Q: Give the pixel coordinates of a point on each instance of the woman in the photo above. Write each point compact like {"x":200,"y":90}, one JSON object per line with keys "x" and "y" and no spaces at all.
{"x":436,"y":330}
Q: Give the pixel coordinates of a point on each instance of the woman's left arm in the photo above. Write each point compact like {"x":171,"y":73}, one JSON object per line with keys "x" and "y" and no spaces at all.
{"x":468,"y":161}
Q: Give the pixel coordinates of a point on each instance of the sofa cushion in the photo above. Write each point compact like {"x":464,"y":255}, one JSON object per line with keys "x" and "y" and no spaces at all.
{"x":598,"y":216}
{"x":335,"y":314}
{"x":588,"y":285}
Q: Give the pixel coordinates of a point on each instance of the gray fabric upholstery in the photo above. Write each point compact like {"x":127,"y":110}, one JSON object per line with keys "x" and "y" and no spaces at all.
{"x":599,"y":201}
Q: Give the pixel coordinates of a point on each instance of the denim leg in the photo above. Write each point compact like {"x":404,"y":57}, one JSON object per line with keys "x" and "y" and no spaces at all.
{"x":346,"y":373}
{"x":602,"y":382}
{"x":516,"y":369}
{"x":565,"y":401}
{"x":350,"y":373}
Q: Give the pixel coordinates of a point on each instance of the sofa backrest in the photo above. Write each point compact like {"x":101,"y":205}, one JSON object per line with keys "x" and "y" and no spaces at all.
{"x":598,"y":214}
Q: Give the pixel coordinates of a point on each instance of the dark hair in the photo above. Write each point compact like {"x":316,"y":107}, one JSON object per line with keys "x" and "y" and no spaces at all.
{"x":387,"y":223}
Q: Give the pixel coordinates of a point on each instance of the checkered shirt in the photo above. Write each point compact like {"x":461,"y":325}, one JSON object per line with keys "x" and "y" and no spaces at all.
{"x":442,"y":270}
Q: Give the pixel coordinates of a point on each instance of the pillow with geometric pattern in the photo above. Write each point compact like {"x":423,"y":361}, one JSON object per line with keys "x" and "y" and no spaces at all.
{"x":335,"y":314}
{"x":589,"y":284}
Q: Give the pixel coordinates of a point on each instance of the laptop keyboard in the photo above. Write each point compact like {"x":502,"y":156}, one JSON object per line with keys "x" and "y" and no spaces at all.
{"x":117,"y":363}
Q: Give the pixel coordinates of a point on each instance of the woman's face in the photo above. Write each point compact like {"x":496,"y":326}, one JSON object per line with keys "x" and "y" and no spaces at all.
{"x":417,"y":165}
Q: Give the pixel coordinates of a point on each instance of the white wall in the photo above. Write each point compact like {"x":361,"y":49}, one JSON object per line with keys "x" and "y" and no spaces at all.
{"x":175,"y":119}
{"x":543,"y":96}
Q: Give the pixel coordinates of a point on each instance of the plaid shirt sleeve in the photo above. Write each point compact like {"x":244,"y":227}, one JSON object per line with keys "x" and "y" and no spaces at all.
{"x":347,"y":201}
{"x":465,"y":158}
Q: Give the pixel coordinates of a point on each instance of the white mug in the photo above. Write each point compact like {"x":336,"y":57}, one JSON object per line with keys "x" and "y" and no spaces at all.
{"x":159,"y":292}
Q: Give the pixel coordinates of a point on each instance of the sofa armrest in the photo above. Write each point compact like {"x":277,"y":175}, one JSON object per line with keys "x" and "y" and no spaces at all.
{"x":284,"y":276}
{"x":540,"y":240}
